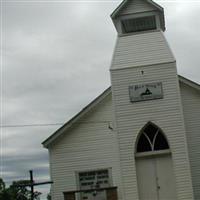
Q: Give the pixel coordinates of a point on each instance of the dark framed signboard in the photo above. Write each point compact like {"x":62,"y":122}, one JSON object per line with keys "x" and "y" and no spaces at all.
{"x":94,"y":180}
{"x":144,"y":92}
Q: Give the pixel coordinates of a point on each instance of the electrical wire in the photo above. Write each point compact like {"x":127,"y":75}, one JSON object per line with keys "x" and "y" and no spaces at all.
{"x":29,"y":125}
{"x":50,"y":124}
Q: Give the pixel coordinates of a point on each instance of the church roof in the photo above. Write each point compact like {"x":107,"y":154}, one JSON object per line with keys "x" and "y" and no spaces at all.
{"x":123,"y":3}
{"x":95,"y":103}
{"x":189,"y":82}
{"x":77,"y":117}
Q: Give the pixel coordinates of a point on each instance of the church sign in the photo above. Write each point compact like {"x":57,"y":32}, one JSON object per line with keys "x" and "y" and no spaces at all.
{"x":145,"y":92}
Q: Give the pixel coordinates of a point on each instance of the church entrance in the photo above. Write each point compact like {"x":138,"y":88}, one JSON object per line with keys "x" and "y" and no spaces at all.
{"x":154,"y":166}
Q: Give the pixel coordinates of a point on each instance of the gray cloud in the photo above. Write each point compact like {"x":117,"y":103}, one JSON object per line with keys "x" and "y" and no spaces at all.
{"x":56,"y":60}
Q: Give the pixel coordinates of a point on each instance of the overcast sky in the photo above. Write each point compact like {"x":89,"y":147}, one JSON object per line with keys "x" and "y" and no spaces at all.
{"x":55,"y":59}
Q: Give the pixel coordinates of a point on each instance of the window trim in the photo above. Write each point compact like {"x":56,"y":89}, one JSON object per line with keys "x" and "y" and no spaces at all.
{"x":153,"y":153}
{"x":136,"y":20}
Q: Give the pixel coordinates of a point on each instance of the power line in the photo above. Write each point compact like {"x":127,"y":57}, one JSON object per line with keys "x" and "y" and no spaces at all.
{"x":49,"y":124}
{"x":29,"y":125}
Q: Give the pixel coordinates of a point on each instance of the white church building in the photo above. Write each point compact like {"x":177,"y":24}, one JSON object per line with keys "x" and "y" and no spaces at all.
{"x":140,"y":139}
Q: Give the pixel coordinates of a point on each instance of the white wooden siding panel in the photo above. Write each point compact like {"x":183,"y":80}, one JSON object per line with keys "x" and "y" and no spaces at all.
{"x":136,"y":6}
{"x":191,"y":109}
{"x":166,"y":113}
{"x":141,"y":49}
{"x":89,"y":146}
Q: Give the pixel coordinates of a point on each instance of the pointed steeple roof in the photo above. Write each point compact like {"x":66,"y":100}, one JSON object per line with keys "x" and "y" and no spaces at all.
{"x":124,"y":3}
{"x":135,"y":7}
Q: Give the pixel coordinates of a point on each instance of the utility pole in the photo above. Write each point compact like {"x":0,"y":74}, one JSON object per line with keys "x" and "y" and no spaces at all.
{"x":32,"y":184}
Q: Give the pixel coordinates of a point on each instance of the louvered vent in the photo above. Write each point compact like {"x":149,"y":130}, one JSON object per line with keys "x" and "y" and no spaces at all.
{"x":139,"y":24}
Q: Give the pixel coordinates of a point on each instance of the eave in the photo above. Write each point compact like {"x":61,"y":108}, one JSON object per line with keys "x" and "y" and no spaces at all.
{"x":189,"y":82}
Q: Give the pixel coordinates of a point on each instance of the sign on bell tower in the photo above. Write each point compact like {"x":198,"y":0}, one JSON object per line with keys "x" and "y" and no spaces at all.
{"x":146,"y":101}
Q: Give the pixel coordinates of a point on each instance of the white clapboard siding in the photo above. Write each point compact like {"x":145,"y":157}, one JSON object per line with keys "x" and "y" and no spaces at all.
{"x":141,"y":49}
{"x":136,"y":6}
{"x":89,"y":145}
{"x":191,"y":108}
{"x":166,"y":112}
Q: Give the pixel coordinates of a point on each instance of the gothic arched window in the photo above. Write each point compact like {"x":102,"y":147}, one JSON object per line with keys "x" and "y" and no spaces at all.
{"x":151,"y":139}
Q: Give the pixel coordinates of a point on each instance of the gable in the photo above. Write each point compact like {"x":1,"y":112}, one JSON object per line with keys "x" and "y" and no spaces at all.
{"x":95,"y":122}
{"x":136,"y":6}
{"x":98,"y":111}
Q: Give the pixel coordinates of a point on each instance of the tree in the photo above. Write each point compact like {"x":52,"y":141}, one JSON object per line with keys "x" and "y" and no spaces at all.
{"x":17,"y":191}
{"x":49,"y":196}
{"x":2,"y":185}
{"x":4,"y":194}
{"x":20,"y":192}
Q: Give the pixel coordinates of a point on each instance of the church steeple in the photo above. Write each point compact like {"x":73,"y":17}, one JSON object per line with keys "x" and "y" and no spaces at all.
{"x":145,"y":88}
{"x":138,"y":15}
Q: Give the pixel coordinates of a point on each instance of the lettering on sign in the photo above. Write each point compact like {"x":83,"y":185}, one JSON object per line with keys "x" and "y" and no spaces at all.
{"x":94,"y":180}
{"x":145,"y":92}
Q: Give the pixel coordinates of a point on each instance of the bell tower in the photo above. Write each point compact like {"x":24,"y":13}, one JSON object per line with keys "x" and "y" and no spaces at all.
{"x":147,"y":106}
